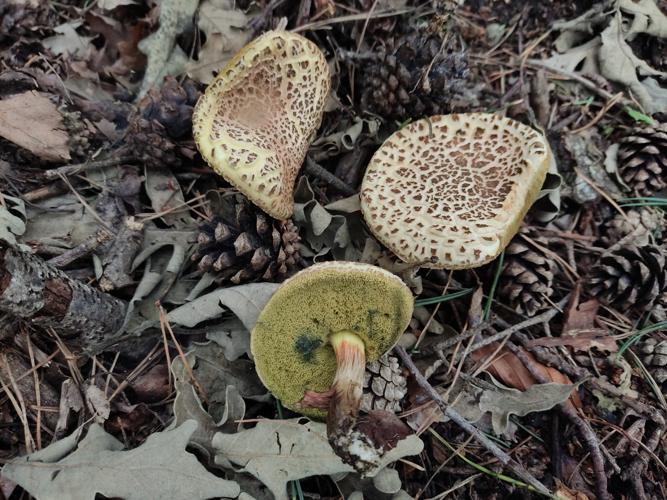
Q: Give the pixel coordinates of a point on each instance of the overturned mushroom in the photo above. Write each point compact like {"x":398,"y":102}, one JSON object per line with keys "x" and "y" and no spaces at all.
{"x":450,"y":191}
{"x":254,"y":123}
{"x":313,"y":338}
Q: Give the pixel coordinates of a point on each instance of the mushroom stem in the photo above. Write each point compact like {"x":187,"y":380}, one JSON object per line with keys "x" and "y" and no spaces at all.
{"x":347,"y":387}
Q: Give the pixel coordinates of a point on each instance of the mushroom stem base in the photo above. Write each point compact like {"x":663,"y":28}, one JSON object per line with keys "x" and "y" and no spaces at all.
{"x":353,"y":446}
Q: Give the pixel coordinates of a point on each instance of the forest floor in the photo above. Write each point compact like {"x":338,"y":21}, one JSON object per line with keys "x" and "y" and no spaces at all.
{"x":556,"y":351}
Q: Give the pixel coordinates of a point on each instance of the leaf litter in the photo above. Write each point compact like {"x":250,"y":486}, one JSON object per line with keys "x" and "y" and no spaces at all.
{"x":179,"y":377}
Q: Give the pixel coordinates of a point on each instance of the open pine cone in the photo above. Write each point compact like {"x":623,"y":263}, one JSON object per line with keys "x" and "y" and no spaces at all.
{"x":631,"y":277}
{"x":654,"y":357}
{"x":527,"y":278}
{"x":642,"y":159}
{"x":385,"y":385}
{"x":250,"y":246}
{"x":163,"y":116}
{"x":414,"y":75}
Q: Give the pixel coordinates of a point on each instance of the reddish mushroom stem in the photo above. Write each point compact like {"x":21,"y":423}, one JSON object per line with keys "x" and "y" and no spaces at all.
{"x":347,"y":387}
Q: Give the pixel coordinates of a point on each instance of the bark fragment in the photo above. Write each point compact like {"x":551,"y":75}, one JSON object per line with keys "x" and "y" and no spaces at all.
{"x":45,"y":296}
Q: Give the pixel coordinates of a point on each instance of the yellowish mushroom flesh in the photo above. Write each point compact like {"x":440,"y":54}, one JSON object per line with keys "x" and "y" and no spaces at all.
{"x":254,"y":123}
{"x":322,"y":305}
{"x":451,"y":191}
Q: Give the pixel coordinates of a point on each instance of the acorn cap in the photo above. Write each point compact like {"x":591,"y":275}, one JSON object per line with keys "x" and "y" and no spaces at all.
{"x":450,"y":191}
{"x":290,"y":342}
{"x":254,"y":123}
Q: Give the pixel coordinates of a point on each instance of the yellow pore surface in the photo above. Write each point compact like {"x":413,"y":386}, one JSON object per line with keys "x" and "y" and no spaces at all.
{"x":290,"y":342}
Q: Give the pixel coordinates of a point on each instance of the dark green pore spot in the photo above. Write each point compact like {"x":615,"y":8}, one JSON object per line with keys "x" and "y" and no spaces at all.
{"x":306,"y":345}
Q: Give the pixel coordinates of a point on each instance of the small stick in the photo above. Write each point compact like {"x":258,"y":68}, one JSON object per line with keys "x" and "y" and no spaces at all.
{"x":452,"y":414}
{"x":89,"y":165}
{"x":317,"y":170}
{"x":585,"y":432}
{"x":85,"y":248}
{"x":535,"y":320}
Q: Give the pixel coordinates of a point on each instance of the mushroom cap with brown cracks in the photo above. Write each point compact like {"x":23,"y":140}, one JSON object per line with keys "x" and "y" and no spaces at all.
{"x":290,"y":342}
{"x":451,"y":191}
{"x":254,"y":123}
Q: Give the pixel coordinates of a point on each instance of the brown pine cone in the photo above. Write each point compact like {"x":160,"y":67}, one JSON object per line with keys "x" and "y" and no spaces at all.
{"x":385,"y":385}
{"x":631,"y":277}
{"x":640,"y":223}
{"x":654,"y":357}
{"x":163,"y":116}
{"x":527,"y":277}
{"x":414,"y":75}
{"x":642,"y":159}
{"x":248,"y":246}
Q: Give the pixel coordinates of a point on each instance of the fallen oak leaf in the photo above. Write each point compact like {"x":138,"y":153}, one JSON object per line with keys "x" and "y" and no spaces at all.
{"x":580,"y":328}
{"x":159,"y":468}
{"x":278,"y":451}
{"x":508,"y":368}
{"x":30,"y":120}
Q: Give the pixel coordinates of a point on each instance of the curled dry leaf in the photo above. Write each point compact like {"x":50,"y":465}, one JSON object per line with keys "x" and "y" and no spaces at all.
{"x":12,"y":219}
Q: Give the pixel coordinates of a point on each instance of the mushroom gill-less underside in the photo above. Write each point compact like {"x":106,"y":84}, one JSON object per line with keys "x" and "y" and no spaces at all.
{"x":292,"y":340}
{"x":450,"y":191}
{"x":254,"y":123}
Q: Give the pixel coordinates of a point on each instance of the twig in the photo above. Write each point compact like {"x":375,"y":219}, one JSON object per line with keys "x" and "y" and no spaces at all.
{"x":453,"y":415}
{"x":89,"y":165}
{"x":303,"y":13}
{"x":535,"y":320}
{"x":579,"y":79}
{"x":588,"y":436}
{"x":317,"y":170}
{"x":85,"y":248}
{"x":45,"y":296}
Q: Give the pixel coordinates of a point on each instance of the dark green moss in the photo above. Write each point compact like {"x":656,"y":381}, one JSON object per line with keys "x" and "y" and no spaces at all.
{"x":306,"y":345}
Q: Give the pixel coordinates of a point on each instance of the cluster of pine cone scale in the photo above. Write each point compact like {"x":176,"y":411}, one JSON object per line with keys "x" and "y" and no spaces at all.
{"x":250,"y":247}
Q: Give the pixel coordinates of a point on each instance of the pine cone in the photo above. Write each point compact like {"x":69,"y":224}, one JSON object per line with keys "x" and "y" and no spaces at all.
{"x":163,"y":116}
{"x":527,"y":278}
{"x":250,"y":246}
{"x":631,"y":277}
{"x":79,"y":133}
{"x":642,"y":159}
{"x":384,"y":385}
{"x":654,"y":357}
{"x":641,"y":223}
{"x":415,"y":75}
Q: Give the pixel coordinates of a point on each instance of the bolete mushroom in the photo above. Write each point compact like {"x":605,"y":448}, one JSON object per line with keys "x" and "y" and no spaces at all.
{"x":450,"y":191}
{"x":254,"y":123}
{"x":312,"y":340}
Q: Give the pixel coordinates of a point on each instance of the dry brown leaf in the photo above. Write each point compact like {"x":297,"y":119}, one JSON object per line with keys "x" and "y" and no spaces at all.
{"x":580,"y":329}
{"x":509,"y":369}
{"x":32,"y":121}
{"x":580,"y":316}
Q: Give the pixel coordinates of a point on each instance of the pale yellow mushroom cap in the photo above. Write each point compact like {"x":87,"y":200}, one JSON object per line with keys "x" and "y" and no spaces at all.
{"x":451,"y":191}
{"x":254,"y":123}
{"x":290,"y":342}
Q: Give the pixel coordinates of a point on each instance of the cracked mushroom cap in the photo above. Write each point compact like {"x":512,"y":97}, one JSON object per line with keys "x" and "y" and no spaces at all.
{"x":290,"y":342}
{"x":254,"y":123}
{"x":450,"y":191}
